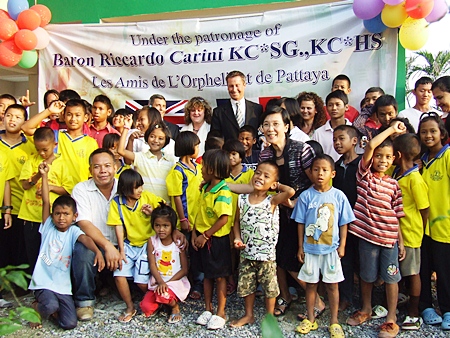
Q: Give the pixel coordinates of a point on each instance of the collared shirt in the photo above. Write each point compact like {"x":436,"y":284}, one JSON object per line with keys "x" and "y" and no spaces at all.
{"x":93,"y":206}
{"x":241,"y":104}
{"x":99,"y":134}
{"x":324,"y":135}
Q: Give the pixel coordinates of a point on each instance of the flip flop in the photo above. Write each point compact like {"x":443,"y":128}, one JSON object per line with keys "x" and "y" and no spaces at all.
{"x":357,"y":318}
{"x":195,"y":295}
{"x":174,"y":318}
{"x":378,"y":312}
{"x":430,"y":317}
{"x":317,"y":314}
{"x":127,"y":317}
{"x":402,"y":299}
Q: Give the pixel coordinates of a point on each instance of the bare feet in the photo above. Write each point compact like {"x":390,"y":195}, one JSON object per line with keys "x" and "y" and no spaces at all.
{"x":243,"y":321}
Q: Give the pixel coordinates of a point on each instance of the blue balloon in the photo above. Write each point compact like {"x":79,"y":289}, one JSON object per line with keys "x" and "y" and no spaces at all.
{"x":15,"y":7}
{"x":375,"y":25}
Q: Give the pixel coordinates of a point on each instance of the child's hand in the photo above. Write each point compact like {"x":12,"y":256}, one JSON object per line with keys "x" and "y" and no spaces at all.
{"x":43,"y":168}
{"x":147,"y":209}
{"x":8,"y":221}
{"x":99,"y":261}
{"x":200,"y":242}
{"x":136,"y":134}
{"x":128,"y":121}
{"x":301,"y":255}
{"x":123,"y":257}
{"x":193,"y":238}
{"x":238,"y":244}
{"x":185,"y":225}
{"x":56,"y":107}
{"x":341,"y":251}
{"x":401,"y":252}
{"x":399,"y":127}
{"x":161,"y":289}
{"x":25,"y":100}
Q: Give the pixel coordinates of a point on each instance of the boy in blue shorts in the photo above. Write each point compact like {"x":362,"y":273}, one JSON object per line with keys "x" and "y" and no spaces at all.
{"x":322,"y":213}
{"x":377,"y":210}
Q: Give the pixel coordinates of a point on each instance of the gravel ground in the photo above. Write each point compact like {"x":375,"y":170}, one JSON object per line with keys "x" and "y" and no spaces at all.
{"x":108,"y":308}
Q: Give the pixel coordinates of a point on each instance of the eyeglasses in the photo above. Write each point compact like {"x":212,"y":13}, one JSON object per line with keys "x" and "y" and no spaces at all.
{"x":430,"y":114}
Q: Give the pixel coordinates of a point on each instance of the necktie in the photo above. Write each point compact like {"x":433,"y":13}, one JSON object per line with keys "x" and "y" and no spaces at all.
{"x":239,"y":114}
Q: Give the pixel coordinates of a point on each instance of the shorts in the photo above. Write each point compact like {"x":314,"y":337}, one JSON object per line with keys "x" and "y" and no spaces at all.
{"x":215,"y":257}
{"x":253,"y":272}
{"x":411,"y":264}
{"x":329,"y":265}
{"x":137,"y":264}
{"x":377,"y":261}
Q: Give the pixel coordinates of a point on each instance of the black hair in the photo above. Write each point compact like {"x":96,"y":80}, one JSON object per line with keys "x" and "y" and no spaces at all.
{"x":68,"y":94}
{"x":443,"y":83}
{"x":273,"y":164}
{"x":122,"y":111}
{"x":214,"y":133}
{"x":293,"y":108}
{"x":350,"y":130}
{"x":273,"y":102}
{"x":110,"y":139}
{"x":423,"y":81}
{"x":105,"y":100}
{"x":77,"y":103}
{"x":316,"y":146}
{"x":44,"y":134}
{"x":217,"y":161}
{"x":185,"y":143}
{"x":325,"y":157}
{"x":9,"y":97}
{"x":386,"y":143}
{"x":65,"y":201}
{"x":213,"y":143}
{"x":278,"y":110}
{"x":164,"y":211}
{"x":337,"y":94}
{"x":155,"y":97}
{"x":385,"y":101}
{"x":153,"y":116}
{"x":405,"y":121}
{"x":408,"y":145}
{"x":163,"y":128}
{"x":18,"y":107}
{"x":236,"y":146}
{"x":47,"y":93}
{"x":375,"y":90}
{"x":342,"y":77}
{"x":249,"y":129}
{"x":129,"y":180}
{"x":432,"y":116}
{"x":100,"y":151}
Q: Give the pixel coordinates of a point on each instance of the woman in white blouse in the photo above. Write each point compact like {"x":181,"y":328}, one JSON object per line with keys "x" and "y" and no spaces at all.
{"x":197,"y":116}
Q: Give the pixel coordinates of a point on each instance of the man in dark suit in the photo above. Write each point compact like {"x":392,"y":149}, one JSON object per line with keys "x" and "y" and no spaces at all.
{"x":228,"y":118}
{"x":159,"y":102}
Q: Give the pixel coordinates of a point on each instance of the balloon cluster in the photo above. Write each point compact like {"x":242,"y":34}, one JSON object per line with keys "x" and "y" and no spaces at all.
{"x":411,"y":16}
{"x":22,"y":33}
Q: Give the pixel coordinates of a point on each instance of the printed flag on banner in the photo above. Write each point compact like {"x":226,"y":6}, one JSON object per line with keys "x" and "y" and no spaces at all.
{"x":174,"y":109}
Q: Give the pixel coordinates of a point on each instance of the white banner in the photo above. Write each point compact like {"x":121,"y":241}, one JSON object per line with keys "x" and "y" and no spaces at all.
{"x":281,"y":53}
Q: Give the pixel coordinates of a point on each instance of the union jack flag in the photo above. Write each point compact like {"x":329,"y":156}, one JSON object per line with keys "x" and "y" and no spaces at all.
{"x":174,"y":109}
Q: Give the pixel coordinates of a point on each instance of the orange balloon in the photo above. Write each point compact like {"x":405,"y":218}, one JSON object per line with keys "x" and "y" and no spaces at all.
{"x":28,"y":19}
{"x":8,"y":28}
{"x":419,"y":9}
{"x":25,"y":39}
{"x":4,"y":14}
{"x":44,"y":13}
{"x":10,"y":54}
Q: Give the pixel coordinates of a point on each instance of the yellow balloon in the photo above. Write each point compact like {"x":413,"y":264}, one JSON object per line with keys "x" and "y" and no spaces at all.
{"x":413,"y":33}
{"x":393,"y":16}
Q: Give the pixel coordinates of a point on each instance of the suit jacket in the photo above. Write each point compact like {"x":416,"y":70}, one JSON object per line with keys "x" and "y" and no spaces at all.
{"x":225,"y":122}
{"x":173,"y":128}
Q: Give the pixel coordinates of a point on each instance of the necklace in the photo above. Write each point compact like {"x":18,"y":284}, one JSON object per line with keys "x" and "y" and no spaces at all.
{"x":278,"y":157}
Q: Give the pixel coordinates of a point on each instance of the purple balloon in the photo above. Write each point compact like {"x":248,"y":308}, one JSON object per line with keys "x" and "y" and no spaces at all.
{"x":393,"y":2}
{"x":367,"y":9}
{"x":375,"y":25}
{"x":440,"y":9}
{"x":15,"y":7}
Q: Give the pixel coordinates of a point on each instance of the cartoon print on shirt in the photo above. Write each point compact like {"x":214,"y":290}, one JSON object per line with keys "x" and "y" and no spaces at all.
{"x":321,"y":232}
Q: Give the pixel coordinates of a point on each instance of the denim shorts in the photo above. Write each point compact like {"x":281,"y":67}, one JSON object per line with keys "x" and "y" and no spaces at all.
{"x":377,"y":261}
{"x":137,"y":264}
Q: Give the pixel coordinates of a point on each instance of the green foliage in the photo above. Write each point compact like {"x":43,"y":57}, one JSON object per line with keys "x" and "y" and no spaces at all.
{"x":270,"y":328}
{"x":10,"y":276}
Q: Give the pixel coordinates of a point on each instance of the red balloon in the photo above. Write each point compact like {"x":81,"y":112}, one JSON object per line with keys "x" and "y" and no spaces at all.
{"x":4,"y":14}
{"x":10,"y":54}
{"x":44,"y":13}
{"x":418,"y":9}
{"x":25,"y":39}
{"x":8,"y":28}
{"x":28,"y":19}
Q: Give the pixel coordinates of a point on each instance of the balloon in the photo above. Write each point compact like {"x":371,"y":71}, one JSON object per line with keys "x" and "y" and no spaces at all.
{"x":367,"y":9}
{"x":29,"y":59}
{"x":25,"y":39}
{"x":42,"y":38}
{"x":28,"y":19}
{"x":413,"y":33}
{"x":15,"y":7}
{"x":9,"y":53}
{"x":393,"y":16}
{"x":392,"y":2}
{"x":44,"y":13}
{"x":375,"y":25}
{"x":7,"y":28}
{"x":418,"y":9}
{"x":440,"y":9}
{"x":4,"y":14}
